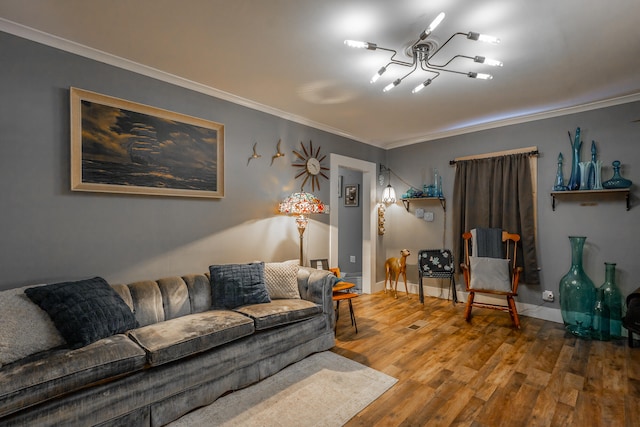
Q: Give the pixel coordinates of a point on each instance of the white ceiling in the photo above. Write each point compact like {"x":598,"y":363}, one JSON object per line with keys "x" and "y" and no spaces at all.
{"x":287,"y":57}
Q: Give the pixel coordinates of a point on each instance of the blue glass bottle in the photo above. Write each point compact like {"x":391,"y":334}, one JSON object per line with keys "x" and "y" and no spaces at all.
{"x":612,"y":300}
{"x":577,"y":293}
{"x":616,"y":180}
{"x":601,"y":318}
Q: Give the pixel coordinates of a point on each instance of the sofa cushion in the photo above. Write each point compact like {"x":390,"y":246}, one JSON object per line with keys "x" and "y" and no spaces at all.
{"x":281,"y":280}
{"x":187,"y":335}
{"x":279,"y":312}
{"x":233,"y":285}
{"x":84,"y":311}
{"x":53,"y":373}
{"x":24,"y":327}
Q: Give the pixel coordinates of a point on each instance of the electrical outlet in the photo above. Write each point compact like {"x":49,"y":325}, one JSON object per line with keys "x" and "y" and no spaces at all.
{"x":428,"y":216}
{"x":547,"y":296}
{"x":352,"y":258}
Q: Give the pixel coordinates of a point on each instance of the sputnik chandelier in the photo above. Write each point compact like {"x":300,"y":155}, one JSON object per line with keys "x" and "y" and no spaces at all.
{"x":423,"y":51}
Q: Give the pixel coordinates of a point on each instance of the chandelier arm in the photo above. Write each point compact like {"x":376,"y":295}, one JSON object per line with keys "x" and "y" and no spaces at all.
{"x":393,"y":59}
{"x":430,"y":70}
{"x":427,"y":68}
{"x":415,"y":67}
{"x":448,"y":62}
{"x":445,"y":43}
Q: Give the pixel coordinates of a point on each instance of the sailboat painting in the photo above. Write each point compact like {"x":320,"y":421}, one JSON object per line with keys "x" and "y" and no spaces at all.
{"x":119,"y":146}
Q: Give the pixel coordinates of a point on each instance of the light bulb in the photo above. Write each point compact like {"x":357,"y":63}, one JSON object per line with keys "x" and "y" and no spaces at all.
{"x":356,"y":44}
{"x":377,"y":75}
{"x":483,"y":38}
{"x":488,"y":39}
{"x":488,"y":61}
{"x":435,"y":22}
{"x":493,"y":62}
{"x":421,"y":86}
{"x":481,"y":76}
{"x":391,"y":85}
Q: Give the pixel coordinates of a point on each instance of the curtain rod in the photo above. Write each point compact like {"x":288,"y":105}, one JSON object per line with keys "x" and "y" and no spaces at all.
{"x":531,"y":153}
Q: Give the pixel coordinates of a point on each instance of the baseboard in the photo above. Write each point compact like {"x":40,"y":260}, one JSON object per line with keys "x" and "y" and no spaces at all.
{"x":524,"y":309}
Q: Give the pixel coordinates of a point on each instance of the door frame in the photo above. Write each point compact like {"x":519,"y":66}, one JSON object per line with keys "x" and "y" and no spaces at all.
{"x":369,"y":215}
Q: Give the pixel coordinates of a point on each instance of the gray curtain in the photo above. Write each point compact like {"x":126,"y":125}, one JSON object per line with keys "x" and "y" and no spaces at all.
{"x":496,"y":193}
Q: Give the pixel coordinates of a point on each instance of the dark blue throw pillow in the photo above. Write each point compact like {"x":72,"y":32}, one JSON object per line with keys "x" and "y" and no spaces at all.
{"x":84,"y":311}
{"x":233,"y":285}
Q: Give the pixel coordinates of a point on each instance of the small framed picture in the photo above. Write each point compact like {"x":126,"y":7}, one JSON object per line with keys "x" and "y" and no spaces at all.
{"x":351,"y":195}
{"x":320,"y":264}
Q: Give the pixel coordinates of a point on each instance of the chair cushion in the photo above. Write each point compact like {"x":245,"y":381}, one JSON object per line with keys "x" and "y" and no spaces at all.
{"x":280,"y":312}
{"x":436,"y":263}
{"x":84,"y":311}
{"x":281,"y":280}
{"x":490,"y":274}
{"x":233,"y":285}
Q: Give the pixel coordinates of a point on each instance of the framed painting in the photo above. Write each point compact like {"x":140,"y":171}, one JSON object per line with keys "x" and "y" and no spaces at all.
{"x":320,"y":264}
{"x":119,"y":146}
{"x":351,"y":195}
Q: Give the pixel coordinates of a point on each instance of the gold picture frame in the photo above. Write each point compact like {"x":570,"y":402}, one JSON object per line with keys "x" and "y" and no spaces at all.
{"x":120,"y":146}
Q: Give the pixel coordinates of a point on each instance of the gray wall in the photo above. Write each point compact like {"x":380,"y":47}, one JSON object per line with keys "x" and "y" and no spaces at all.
{"x":350,"y":234}
{"x":611,"y":231}
{"x":50,"y":233}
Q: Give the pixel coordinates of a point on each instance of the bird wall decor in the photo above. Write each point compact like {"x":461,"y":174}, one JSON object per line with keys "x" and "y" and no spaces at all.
{"x":279,"y":153}
{"x":255,"y":154}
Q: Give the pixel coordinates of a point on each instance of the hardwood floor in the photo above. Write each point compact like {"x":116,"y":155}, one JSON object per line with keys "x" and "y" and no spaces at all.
{"x":486,"y":373}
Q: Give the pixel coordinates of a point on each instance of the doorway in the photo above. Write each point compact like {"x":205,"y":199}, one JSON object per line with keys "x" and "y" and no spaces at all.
{"x":369,"y":215}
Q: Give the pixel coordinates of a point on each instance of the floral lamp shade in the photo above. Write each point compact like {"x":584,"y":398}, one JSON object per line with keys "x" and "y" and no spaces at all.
{"x":302,"y":204}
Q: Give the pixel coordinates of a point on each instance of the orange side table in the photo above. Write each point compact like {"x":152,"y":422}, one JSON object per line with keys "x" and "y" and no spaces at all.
{"x":339,"y":294}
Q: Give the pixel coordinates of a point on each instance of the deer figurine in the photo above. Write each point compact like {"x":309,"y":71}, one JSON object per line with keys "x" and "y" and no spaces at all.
{"x":396,"y":266}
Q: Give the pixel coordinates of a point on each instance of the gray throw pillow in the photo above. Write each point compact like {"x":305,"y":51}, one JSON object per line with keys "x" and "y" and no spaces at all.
{"x":84,"y":311}
{"x":281,"y":280}
{"x":234,"y":285}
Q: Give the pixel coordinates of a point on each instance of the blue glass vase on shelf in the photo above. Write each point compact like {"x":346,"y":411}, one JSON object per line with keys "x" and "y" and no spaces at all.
{"x":559,"y":185}
{"x":577,"y":293}
{"x":574,"y":178}
{"x":616,"y":180}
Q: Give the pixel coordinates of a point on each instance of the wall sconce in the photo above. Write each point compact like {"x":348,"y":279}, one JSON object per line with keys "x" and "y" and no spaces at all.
{"x":389,"y":194}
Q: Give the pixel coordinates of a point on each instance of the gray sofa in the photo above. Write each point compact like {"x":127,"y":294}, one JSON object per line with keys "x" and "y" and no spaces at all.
{"x":183,"y":355}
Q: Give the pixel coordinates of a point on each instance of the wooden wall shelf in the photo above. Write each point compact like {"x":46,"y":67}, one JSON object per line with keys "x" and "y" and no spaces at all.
{"x":590,"y":197}
{"x":407,"y":202}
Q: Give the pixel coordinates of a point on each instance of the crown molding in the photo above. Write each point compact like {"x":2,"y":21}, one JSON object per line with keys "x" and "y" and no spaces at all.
{"x":558,"y":112}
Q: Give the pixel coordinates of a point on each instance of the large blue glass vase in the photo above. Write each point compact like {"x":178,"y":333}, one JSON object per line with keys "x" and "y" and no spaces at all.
{"x":577,"y":293}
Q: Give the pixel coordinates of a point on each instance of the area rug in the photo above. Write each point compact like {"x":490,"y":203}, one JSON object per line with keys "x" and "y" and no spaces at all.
{"x":324,"y":389}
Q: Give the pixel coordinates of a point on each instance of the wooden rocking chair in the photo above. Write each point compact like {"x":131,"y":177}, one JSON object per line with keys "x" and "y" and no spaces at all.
{"x":495,"y":275}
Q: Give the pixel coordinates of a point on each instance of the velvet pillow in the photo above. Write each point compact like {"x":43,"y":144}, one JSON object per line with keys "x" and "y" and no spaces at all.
{"x":233,"y":285}
{"x":281,"y":280}
{"x":84,"y":311}
{"x":490,"y":274}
